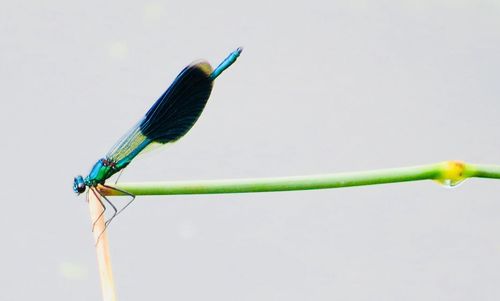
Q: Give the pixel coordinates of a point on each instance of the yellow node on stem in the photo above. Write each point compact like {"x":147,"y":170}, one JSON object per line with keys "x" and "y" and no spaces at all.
{"x":452,"y":173}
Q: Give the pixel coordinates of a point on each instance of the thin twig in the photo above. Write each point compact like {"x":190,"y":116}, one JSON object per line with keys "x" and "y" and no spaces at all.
{"x":448,"y":173}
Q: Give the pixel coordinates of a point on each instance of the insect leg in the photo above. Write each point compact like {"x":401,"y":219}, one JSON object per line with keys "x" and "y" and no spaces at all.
{"x":124,"y":192}
{"x":96,"y":194}
{"x":111,"y":218}
{"x":119,"y":175}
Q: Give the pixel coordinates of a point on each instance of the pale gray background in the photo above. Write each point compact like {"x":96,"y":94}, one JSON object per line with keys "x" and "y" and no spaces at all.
{"x":322,"y":86}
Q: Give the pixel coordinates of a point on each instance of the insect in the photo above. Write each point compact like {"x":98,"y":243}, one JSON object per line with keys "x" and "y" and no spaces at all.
{"x":170,"y":118}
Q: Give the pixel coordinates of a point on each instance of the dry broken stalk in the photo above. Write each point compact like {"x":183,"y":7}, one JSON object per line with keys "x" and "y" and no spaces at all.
{"x":102,"y":249}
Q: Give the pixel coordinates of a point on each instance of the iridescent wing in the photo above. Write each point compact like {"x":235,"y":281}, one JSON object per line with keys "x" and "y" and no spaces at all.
{"x":171,"y":116}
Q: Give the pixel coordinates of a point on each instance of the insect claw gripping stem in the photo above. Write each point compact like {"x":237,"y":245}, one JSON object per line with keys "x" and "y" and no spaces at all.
{"x":99,"y":196}
{"x":121,"y":192}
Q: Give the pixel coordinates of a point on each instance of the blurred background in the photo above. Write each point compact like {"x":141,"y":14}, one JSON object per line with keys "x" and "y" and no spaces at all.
{"x":321,"y":87}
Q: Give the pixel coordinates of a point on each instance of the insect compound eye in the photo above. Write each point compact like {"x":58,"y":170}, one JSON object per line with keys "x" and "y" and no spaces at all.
{"x":79,"y":185}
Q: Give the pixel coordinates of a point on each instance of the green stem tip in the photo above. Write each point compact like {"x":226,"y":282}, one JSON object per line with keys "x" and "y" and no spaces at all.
{"x":448,"y":173}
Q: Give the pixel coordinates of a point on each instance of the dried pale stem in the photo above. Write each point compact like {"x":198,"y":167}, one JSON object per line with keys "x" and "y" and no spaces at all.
{"x":102,"y":249}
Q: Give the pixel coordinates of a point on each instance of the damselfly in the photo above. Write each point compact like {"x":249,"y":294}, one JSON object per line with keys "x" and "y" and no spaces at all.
{"x":170,"y":118}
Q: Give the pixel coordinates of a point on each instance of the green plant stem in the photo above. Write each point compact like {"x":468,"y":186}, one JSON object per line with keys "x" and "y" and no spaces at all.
{"x":485,"y":171}
{"x":448,"y":173}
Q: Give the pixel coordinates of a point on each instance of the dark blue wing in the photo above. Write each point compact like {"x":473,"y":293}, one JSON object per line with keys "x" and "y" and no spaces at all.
{"x":171,"y":116}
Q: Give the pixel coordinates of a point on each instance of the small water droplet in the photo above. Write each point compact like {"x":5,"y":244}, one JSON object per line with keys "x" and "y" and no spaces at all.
{"x":449,"y":183}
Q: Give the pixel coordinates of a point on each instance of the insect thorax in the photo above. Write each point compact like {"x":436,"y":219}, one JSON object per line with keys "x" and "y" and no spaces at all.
{"x":102,"y":170}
